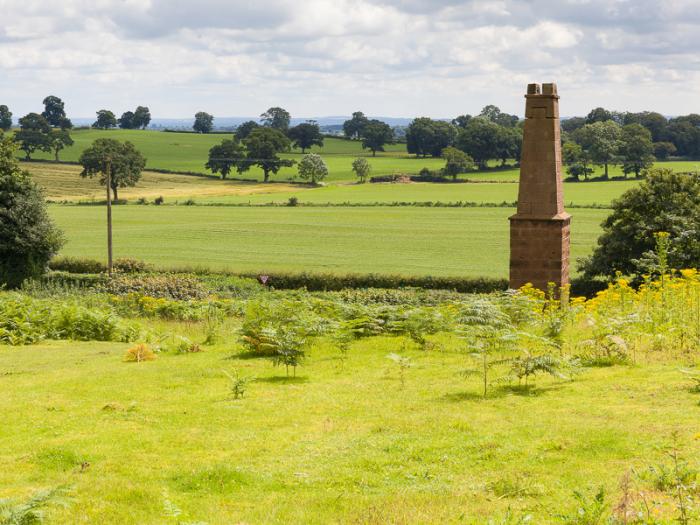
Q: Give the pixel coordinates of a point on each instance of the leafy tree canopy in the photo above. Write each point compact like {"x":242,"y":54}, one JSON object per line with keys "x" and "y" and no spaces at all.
{"x":456,"y":162}
{"x":636,"y":149}
{"x":227,"y":156}
{"x":5,"y":118}
{"x":58,"y":140}
{"x":480,"y":140}
{"x":142,"y":117}
{"x":426,"y":136}
{"x":126,"y":121}
{"x":203,"y":122}
{"x":34,"y":134}
{"x":601,"y":140}
{"x":105,"y":120}
{"x":28,"y":237}
{"x":353,"y":128}
{"x":264,"y":144}
{"x":276,"y":118}
{"x":665,"y":201}
{"x":122,"y":158}
{"x":375,"y":135}
{"x":495,"y":115}
{"x":306,"y":135}
{"x":361,"y":168}
{"x":244,"y":129}
{"x":312,"y":167}
{"x":55,"y":113}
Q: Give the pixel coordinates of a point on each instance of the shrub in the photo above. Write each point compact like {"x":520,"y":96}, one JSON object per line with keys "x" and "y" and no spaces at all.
{"x":330,"y":282}
{"x":293,"y":201}
{"x":77,"y":265}
{"x":158,"y":200}
{"x":139,"y":353}
{"x":85,"y":324}
{"x":127,"y":265}
{"x":28,"y":237}
{"x":167,"y":286}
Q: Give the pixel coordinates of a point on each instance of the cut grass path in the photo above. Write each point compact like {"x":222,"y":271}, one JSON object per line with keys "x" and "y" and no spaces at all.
{"x":408,"y":240}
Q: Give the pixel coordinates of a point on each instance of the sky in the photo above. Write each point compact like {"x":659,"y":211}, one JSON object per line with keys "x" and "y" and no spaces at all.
{"x":397,"y":58}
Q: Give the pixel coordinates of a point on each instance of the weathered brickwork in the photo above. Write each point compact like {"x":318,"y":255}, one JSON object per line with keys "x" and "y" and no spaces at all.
{"x":540,"y":230}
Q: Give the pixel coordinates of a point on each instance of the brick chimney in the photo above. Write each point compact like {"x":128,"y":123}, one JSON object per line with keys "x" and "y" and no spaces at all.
{"x":540,"y":230}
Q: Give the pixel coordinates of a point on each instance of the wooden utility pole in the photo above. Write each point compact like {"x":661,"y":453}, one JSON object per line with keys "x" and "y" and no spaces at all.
{"x":109,"y":216}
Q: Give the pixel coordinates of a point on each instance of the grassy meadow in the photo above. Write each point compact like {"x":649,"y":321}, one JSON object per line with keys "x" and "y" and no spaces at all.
{"x":189,"y":152}
{"x":401,"y":240}
{"x":385,"y":423}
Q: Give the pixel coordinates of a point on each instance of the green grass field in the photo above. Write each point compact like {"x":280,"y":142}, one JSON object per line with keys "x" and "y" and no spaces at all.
{"x":63,"y":182}
{"x":342,"y":443}
{"x":189,"y":152}
{"x":407,"y":240}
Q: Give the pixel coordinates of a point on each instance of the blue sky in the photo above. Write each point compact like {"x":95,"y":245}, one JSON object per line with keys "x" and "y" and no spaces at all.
{"x":396,"y":58}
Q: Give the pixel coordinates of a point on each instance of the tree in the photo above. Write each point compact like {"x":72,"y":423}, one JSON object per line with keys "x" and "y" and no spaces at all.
{"x":126,"y":121}
{"x":598,"y":115}
{"x":480,"y":140}
{"x":509,"y":143}
{"x":461,"y":121}
{"x":276,"y":118}
{"x":684,"y":135}
{"x":122,"y":158}
{"x":572,"y":124}
{"x":361,"y":168}
{"x":59,"y":139}
{"x":28,"y":237}
{"x":495,"y":115}
{"x":306,"y":135}
{"x":664,"y":150}
{"x":353,"y":128}
{"x":312,"y":167}
{"x":203,"y":122}
{"x":105,"y":120}
{"x":142,"y":117}
{"x":5,"y":118}
{"x":577,"y":161}
{"x":263,"y":145}
{"x":456,"y":162}
{"x":426,"y":136}
{"x":636,"y":149}
{"x":224,"y":157}
{"x":664,"y":202}
{"x":55,"y":114}
{"x":243,"y":130}
{"x":655,"y":122}
{"x":375,"y":135}
{"x":601,"y":140}
{"x":34,"y":134}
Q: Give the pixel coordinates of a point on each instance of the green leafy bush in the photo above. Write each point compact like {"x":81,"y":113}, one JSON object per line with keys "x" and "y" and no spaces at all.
{"x":77,"y":265}
{"x":127,"y":265}
{"x":167,"y":286}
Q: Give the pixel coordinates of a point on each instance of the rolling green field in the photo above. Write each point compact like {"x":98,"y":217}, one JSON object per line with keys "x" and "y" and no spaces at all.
{"x":189,"y":152}
{"x":63,"y":182}
{"x":406,"y":240}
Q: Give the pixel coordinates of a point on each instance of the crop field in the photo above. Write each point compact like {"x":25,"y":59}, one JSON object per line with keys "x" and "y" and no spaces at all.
{"x":401,"y":240}
{"x":63,"y":182}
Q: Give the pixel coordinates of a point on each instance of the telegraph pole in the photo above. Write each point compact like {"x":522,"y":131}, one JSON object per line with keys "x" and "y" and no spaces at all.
{"x":109,"y":216}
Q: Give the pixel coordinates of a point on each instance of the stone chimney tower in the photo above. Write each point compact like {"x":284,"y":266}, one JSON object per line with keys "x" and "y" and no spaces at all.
{"x":539,"y":231}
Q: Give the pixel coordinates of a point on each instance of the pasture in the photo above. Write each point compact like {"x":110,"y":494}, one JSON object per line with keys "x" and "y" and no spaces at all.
{"x":402,"y":240}
{"x":188,"y":152}
{"x":62,"y":182}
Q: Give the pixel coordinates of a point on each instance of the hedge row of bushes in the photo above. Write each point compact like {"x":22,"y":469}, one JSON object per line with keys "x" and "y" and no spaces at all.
{"x":197,"y":282}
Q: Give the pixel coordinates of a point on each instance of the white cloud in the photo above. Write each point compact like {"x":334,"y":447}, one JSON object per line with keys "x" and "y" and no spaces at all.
{"x":317,"y":57}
